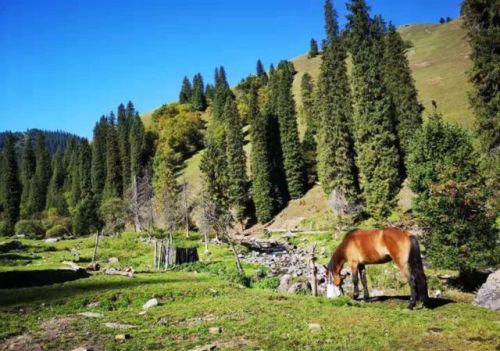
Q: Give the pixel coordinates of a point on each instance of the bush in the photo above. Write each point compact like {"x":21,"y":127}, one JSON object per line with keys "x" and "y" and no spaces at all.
{"x":267,"y":283}
{"x":30,"y":228}
{"x":56,"y":231}
{"x":6,"y":229}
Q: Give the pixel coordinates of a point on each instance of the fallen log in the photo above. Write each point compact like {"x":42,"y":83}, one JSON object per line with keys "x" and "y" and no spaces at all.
{"x":72,"y":265}
{"x":128,"y":272}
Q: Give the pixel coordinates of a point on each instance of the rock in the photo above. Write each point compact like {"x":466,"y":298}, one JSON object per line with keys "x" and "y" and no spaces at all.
{"x":298,"y":287}
{"x":119,"y":326}
{"x":82,"y":349}
{"x":150,"y":303}
{"x":215,"y":330}
{"x":208,"y":347}
{"x":94,"y":304}
{"x":285,"y":283}
{"x":489,"y":294}
{"x":113,"y":260}
{"x":438,"y":294}
{"x":121,"y":337}
{"x":314,"y":326}
{"x":52,"y":240}
{"x":142,"y":313}
{"x":91,"y":314}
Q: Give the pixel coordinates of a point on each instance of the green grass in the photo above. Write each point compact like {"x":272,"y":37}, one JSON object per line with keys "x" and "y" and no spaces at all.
{"x":192,"y":301}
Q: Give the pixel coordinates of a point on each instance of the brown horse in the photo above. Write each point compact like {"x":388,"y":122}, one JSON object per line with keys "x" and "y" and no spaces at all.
{"x":362,"y":247}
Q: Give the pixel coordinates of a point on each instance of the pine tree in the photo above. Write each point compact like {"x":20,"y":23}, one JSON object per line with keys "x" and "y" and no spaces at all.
{"x":186,"y":91}
{"x":85,"y":164}
{"x":98,"y":168}
{"x":336,"y":164}
{"x":55,"y":196}
{"x":401,"y":87}
{"x":309,"y":146}
{"x":113,"y":185}
{"x":377,"y":148}
{"x":123,"y":129}
{"x":28,"y":165}
{"x":259,"y":160}
{"x":236,"y":160}
{"x":222,"y":92}
{"x":482,"y":23}
{"x":137,"y":146}
{"x":11,"y":186}
{"x":331,"y":26}
{"x":40,"y":181}
{"x":198,"y":99}
{"x":293,"y":159}
{"x":261,"y":73}
{"x":313,"y":49}
{"x":209,"y":92}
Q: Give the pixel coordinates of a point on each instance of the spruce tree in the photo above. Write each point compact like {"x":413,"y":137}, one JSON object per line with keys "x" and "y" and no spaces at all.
{"x":336,"y":158}
{"x":28,"y":165}
{"x":137,"y":146}
{"x":236,"y":160}
{"x":209,"y":92}
{"x":377,"y":148}
{"x":313,"y":49}
{"x":123,"y":130}
{"x":401,"y":87}
{"x":55,"y":196}
{"x":198,"y":99}
{"x":186,"y":91}
{"x":293,"y":159}
{"x":85,"y":165}
{"x":482,"y":23}
{"x":261,"y":73}
{"x":11,"y":185}
{"x":98,"y":167}
{"x":222,"y":92}
{"x":309,"y":116}
{"x":262,"y":193}
{"x":40,"y":181}
{"x":113,"y":184}
{"x":331,"y":26}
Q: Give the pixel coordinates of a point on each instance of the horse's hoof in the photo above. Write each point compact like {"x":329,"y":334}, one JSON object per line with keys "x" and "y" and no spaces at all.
{"x":411,"y":306}
{"x":366,"y":297}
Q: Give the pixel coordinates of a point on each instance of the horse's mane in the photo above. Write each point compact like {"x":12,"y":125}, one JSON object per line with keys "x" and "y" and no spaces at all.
{"x":331,"y":263}
{"x":350,"y":232}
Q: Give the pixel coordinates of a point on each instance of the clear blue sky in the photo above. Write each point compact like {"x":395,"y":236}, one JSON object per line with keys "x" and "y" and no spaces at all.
{"x":64,"y":63}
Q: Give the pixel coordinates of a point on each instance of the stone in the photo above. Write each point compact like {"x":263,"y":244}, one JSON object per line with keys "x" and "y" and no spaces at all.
{"x":94,"y":304}
{"x":438,"y":294}
{"x":215,"y":330}
{"x":150,"y":303}
{"x":91,"y":314}
{"x":285,"y":283}
{"x":52,"y":240}
{"x":208,"y":347}
{"x":119,"y":326}
{"x":314,"y":326}
{"x":488,"y":295}
{"x":113,"y":260}
{"x":120,"y":337}
{"x":82,"y":349}
{"x":298,"y":287}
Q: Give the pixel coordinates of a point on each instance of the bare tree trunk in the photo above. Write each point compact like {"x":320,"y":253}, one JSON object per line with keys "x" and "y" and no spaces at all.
{"x":236,"y":257}
{"x":312,"y":267}
{"x":94,"y":256}
{"x":205,"y":236}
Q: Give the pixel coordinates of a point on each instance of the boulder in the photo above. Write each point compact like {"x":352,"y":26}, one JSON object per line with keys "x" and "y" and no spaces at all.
{"x":113,"y":260}
{"x":91,"y":314}
{"x":285,"y":283}
{"x":150,"y":303}
{"x":489,"y":294}
{"x":297,"y":288}
{"x":52,"y":240}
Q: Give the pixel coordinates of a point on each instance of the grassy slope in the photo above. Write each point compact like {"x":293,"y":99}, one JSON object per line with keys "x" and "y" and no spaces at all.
{"x":250,"y":318}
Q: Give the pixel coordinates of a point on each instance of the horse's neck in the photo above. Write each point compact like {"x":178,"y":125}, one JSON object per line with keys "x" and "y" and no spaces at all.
{"x":338,"y":260}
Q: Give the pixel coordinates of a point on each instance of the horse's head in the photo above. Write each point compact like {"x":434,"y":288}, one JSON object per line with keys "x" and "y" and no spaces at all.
{"x":334,"y":281}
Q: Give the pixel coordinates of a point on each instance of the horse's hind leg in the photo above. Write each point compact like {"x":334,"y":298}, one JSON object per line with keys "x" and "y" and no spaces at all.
{"x":362,"y":272}
{"x":405,"y":270}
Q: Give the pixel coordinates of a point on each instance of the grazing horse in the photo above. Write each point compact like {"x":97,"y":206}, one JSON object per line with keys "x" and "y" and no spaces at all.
{"x":362,"y":247}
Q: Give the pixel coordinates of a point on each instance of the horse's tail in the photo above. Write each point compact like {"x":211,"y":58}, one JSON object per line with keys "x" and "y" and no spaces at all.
{"x":417,"y":270}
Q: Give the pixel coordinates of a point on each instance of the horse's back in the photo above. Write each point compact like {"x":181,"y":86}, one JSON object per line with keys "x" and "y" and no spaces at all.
{"x":376,"y":245}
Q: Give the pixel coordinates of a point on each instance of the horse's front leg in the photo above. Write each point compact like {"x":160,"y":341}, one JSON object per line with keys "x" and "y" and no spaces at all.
{"x":362,"y":272}
{"x":355,"y":280}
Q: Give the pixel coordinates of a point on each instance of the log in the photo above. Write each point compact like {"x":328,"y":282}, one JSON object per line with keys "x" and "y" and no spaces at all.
{"x":72,"y":265}
{"x":129,"y":272}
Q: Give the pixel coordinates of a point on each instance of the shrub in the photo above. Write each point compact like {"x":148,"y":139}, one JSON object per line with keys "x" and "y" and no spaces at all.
{"x":6,"y":229}
{"x":56,"y":231}
{"x":267,"y":283}
{"x":33,"y":229}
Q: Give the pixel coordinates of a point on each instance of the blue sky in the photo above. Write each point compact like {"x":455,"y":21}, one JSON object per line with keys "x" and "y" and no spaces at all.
{"x":64,"y":63}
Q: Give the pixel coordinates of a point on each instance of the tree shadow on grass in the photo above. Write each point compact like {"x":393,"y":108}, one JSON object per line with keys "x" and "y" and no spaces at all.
{"x":49,"y":293}
{"x":432,"y":304}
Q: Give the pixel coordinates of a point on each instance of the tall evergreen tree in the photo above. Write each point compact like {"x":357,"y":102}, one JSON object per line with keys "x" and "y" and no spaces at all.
{"x":198,"y":99}
{"x":236,"y":160}
{"x":259,"y":160}
{"x":482,"y":23}
{"x":28,"y":165}
{"x":40,"y":181}
{"x":307,"y":95}
{"x":331,"y":26}
{"x":55,"y":196}
{"x":123,"y":130}
{"x":98,"y":167}
{"x":85,"y":164}
{"x":261,"y":73}
{"x":293,"y":159}
{"x":11,"y":185}
{"x":186,"y":91}
{"x":336,"y":164}
{"x":401,"y":87}
{"x":113,"y":185}
{"x":209,"y":92}
{"x":313,"y":49}
{"x":222,"y":92}
{"x":378,"y":159}
{"x":137,"y":145}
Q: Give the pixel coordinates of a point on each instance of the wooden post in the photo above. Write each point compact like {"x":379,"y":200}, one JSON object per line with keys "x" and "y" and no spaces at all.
{"x":94,"y":256}
{"x":155,"y":242}
{"x":160,"y":250}
{"x":314,"y":271}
